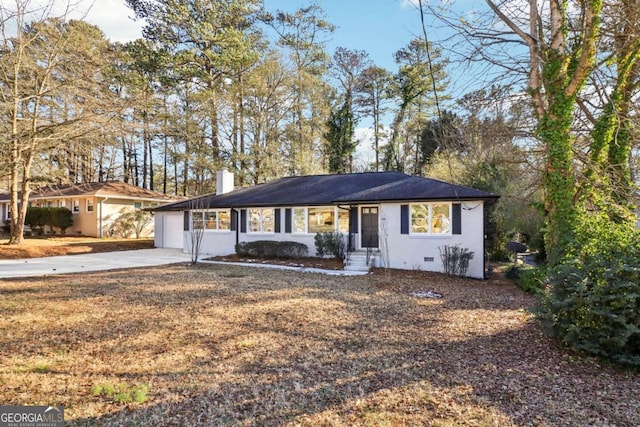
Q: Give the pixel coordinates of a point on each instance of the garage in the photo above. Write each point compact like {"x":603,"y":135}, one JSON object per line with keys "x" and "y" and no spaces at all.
{"x":168,"y":230}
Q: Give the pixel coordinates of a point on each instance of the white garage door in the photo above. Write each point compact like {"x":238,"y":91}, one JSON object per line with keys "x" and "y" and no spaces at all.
{"x":172,"y":231}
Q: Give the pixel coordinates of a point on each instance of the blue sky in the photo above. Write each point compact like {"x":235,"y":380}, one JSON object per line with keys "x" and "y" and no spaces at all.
{"x":378,"y":27}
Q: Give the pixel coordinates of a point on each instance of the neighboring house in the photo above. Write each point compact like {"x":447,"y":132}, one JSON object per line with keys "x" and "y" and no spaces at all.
{"x":410,"y":218}
{"x":95,"y":206}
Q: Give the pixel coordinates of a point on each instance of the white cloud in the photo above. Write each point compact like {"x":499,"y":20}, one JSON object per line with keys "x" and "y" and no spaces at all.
{"x":410,"y":3}
{"x":115,"y":20}
{"x":112,"y":16}
{"x":365,"y":154}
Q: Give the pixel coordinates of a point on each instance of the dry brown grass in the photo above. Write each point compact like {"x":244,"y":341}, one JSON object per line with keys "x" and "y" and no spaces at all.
{"x":34,"y":247}
{"x":224,"y":345}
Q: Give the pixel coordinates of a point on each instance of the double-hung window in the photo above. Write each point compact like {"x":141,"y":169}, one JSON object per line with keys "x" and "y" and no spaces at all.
{"x":261,"y":220}
{"x":75,"y":206}
{"x":218,"y":220}
{"x":431,"y":218}
{"x":89,"y":205}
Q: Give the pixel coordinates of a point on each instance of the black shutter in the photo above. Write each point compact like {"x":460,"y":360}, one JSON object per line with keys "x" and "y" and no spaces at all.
{"x":456,"y":220}
{"x":243,"y":220}
{"x":287,"y":220}
{"x":276,"y":213}
{"x":185,"y":224}
{"x":353,"y":220}
{"x":234,"y":220}
{"x":404,"y":219}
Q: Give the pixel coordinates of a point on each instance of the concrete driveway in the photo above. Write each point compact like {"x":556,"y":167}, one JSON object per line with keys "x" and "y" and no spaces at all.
{"x":90,"y":262}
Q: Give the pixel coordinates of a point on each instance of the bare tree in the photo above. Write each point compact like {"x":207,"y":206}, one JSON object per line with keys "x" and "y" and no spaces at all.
{"x":47,"y":72}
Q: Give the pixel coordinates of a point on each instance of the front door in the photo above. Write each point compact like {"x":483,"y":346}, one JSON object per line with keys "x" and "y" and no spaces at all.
{"x":369,"y":228}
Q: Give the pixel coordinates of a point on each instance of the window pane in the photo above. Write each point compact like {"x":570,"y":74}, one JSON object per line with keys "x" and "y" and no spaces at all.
{"x":419,"y":218}
{"x":224,"y":220}
{"x":299,"y":221}
{"x":441,"y":218}
{"x":321,"y":219}
{"x":254,"y":220}
{"x":268,"y":221}
{"x":211,"y":220}
{"x":343,"y":220}
{"x":198,"y":223}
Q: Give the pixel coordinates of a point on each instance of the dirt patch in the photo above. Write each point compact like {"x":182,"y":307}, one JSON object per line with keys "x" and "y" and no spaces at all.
{"x":51,"y":246}
{"x":235,"y":346}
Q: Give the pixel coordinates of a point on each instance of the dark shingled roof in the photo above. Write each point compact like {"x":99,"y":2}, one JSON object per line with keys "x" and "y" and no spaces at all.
{"x":416,"y":188}
{"x":318,"y":190}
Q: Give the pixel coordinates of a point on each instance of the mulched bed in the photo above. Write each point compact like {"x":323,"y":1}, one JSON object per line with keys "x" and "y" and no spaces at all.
{"x":234,"y":346}
{"x":310,"y":262}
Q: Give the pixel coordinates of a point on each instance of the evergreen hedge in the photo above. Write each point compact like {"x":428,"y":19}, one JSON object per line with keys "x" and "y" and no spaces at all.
{"x":37,"y":217}
{"x":592,"y":302}
{"x":272,"y":249}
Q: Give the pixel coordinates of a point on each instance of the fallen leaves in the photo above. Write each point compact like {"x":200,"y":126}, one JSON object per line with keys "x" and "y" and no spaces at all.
{"x":225,"y":345}
{"x":67,"y":245}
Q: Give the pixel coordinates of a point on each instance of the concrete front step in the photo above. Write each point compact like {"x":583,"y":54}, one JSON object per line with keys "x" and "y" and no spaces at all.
{"x":358,"y":262}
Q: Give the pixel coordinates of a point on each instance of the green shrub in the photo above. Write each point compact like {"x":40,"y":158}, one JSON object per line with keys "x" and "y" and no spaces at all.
{"x":530,"y":279}
{"x":593,"y":302}
{"x":272,"y":249}
{"x":36,"y":217}
{"x":330,"y":243}
{"x":61,"y":218}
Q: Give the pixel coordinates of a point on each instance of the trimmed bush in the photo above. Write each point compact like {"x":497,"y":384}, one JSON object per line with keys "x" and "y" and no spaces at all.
{"x":37,"y":218}
{"x":61,"y":218}
{"x":330,"y":243}
{"x":272,"y":249}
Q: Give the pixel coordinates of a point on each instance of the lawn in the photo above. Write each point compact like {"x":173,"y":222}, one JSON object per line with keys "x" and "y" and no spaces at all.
{"x":224,"y":345}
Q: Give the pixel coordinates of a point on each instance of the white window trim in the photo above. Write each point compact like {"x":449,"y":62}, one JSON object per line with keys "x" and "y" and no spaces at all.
{"x":306,"y":221}
{"x":75,"y":203}
{"x":336,"y":222}
{"x":261,"y":231}
{"x":430,"y":219}
{"x":211,"y":230}
{"x":89,"y":202}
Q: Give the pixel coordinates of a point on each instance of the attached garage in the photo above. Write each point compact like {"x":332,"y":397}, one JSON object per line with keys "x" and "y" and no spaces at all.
{"x":167,"y":230}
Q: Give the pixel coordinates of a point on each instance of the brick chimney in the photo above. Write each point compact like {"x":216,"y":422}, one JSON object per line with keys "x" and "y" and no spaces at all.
{"x":224,"y":181}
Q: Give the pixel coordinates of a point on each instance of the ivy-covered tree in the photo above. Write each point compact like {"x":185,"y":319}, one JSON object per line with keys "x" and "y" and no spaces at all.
{"x":339,"y":136}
